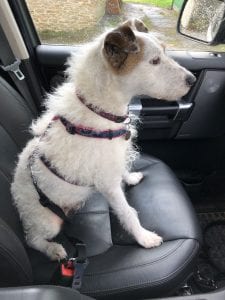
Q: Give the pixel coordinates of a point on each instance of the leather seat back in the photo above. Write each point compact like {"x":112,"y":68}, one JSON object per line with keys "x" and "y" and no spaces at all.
{"x":15,"y":118}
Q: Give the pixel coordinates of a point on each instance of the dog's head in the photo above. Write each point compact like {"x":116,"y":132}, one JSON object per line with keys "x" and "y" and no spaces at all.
{"x":141,"y":65}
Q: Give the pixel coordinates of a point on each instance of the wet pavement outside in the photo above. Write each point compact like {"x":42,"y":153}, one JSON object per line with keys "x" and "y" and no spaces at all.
{"x":162,"y":24}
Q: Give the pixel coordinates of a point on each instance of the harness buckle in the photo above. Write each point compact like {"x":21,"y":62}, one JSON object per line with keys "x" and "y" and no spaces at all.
{"x":15,"y":68}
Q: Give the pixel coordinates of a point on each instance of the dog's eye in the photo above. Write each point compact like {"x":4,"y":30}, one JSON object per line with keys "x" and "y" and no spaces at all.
{"x":155,"y":61}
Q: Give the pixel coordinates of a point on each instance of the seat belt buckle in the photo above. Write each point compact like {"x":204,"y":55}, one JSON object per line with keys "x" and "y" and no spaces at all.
{"x":80,"y":264}
{"x":15,"y":68}
{"x":79,"y":267}
{"x":71,"y":271}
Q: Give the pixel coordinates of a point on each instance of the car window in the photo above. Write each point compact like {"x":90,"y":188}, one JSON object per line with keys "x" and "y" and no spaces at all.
{"x":75,"y":22}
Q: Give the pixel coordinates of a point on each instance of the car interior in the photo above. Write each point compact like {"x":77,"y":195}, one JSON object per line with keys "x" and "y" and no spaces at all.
{"x":181,"y":197}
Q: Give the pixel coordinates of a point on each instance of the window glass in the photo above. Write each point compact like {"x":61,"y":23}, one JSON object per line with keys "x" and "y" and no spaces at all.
{"x":79,"y":21}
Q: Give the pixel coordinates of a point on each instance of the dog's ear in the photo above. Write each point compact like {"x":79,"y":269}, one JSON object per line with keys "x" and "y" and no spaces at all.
{"x":140,"y":25}
{"x":136,"y":24}
{"x":118,"y":44}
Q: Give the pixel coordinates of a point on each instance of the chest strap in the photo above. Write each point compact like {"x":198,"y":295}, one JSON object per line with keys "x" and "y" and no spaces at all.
{"x":90,"y":132}
{"x":48,"y":165}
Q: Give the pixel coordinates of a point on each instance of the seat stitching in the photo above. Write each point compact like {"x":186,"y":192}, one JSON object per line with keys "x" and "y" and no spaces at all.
{"x":148,"y":283}
{"x":139,"y":265}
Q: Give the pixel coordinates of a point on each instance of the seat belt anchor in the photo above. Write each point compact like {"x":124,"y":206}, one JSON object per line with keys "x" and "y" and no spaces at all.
{"x":15,"y":68}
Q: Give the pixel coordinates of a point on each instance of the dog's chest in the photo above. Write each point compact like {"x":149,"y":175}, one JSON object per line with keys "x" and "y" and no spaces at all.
{"x":82,"y":157}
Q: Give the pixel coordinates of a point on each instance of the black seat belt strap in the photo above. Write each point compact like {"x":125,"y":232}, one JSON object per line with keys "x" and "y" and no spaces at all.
{"x":12,"y":65}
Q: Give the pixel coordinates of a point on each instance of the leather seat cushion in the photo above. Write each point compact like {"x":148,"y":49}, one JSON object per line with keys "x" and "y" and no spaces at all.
{"x":162,"y":204}
{"x":126,"y":272}
{"x":131,"y":272}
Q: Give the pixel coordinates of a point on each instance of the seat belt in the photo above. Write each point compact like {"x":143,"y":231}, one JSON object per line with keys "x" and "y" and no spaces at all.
{"x":11,"y":65}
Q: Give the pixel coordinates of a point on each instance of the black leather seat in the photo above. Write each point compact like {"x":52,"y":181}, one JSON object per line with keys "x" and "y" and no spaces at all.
{"x":118,"y":267}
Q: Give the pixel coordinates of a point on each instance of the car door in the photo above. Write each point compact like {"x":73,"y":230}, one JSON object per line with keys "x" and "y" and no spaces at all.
{"x":189,"y":134}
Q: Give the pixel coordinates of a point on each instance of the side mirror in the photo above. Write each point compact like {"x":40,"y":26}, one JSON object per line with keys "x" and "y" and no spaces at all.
{"x":203,"y":21}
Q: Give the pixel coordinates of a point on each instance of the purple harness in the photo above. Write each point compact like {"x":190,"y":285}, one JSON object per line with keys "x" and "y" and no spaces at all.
{"x":90,"y":132}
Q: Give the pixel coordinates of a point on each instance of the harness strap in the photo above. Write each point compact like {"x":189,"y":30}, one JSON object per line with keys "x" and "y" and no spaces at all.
{"x":44,"y":200}
{"x":48,"y":165}
{"x":90,"y":132}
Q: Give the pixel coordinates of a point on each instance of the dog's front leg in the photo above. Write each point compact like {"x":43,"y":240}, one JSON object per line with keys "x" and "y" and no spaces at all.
{"x":129,"y":219}
{"x":132,"y":178}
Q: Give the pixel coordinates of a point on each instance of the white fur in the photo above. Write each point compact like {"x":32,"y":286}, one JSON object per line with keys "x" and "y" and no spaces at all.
{"x":98,"y":164}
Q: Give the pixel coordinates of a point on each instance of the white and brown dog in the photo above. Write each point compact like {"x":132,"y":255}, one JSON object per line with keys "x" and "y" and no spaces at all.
{"x":81,"y":143}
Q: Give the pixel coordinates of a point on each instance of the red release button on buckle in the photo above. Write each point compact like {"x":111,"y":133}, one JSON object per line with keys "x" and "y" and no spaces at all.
{"x":67,"y":269}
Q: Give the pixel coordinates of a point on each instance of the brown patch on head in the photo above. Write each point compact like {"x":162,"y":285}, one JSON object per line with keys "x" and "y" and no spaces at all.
{"x":122,"y":49}
{"x":132,"y":60}
{"x":140,"y":26}
{"x":118,"y":44}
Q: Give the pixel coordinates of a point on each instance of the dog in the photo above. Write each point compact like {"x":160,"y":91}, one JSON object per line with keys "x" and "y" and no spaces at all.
{"x":82,"y":142}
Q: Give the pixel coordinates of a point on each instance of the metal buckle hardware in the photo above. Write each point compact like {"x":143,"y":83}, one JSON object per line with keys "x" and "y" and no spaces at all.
{"x":15,"y":68}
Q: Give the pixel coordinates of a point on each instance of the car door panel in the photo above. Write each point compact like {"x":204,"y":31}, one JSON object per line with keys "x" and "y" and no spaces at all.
{"x":207,"y":119}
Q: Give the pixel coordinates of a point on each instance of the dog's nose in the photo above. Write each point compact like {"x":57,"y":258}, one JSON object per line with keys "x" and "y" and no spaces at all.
{"x":190,"y":80}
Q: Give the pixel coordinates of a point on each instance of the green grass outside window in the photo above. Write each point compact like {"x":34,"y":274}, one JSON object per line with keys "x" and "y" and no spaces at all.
{"x":160,"y":3}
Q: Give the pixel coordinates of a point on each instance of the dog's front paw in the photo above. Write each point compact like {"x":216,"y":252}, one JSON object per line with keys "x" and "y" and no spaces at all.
{"x":134,"y":178}
{"x":149,"y":239}
{"x":56,"y":251}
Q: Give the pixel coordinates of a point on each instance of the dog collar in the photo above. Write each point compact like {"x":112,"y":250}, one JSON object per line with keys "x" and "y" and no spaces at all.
{"x":90,"y":132}
{"x":102,"y":113}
